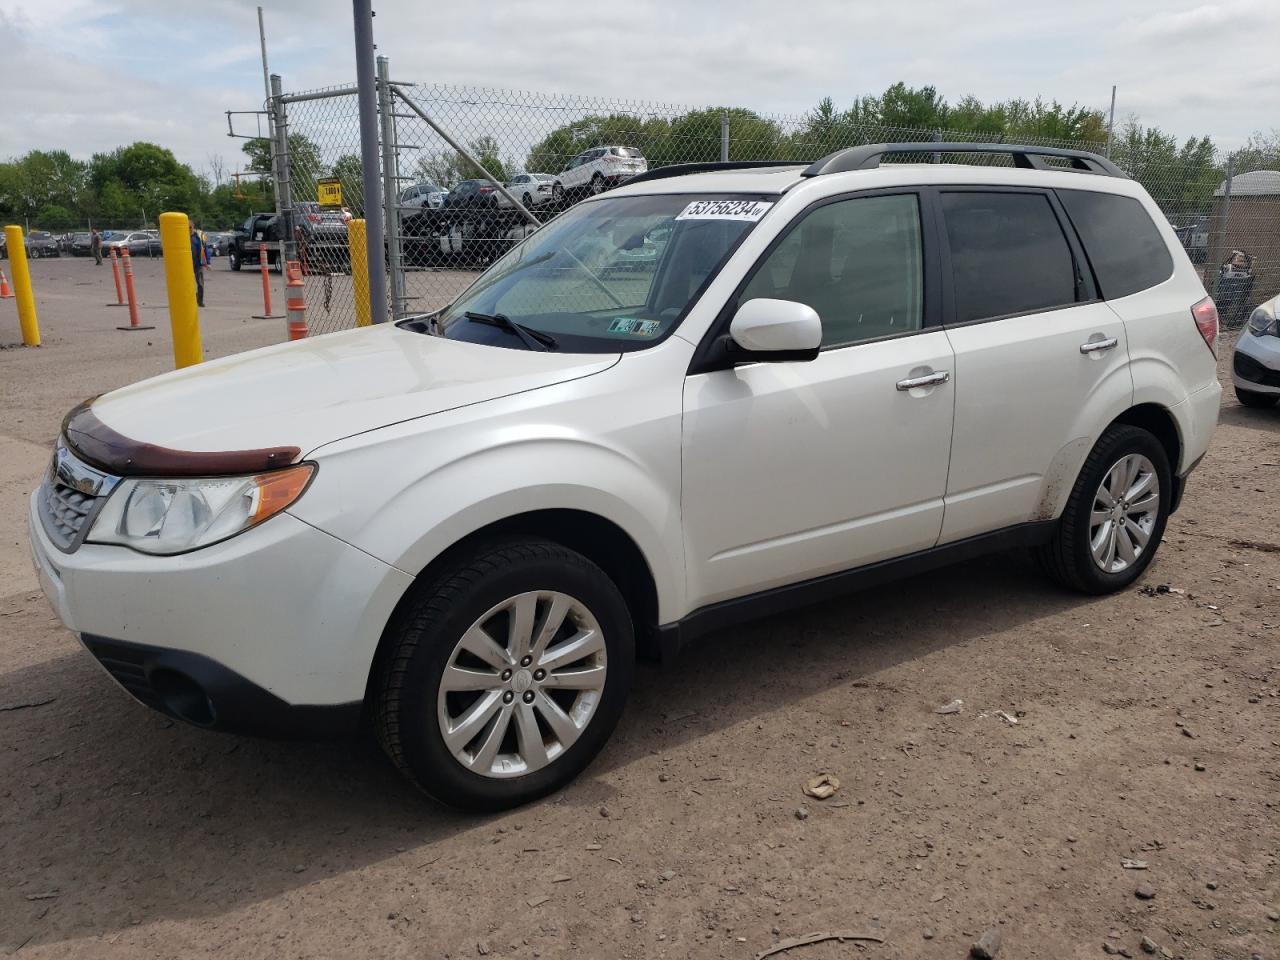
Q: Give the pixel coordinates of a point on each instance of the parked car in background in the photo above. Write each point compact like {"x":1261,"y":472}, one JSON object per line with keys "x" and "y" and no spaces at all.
{"x":321,"y":233}
{"x":139,"y":243}
{"x":423,"y":195}
{"x":596,"y":170}
{"x":1194,"y":238}
{"x":1255,"y":364}
{"x":245,"y":244}
{"x":470,"y":195}
{"x":531,"y":189}
{"x":218,"y":243}
{"x":41,"y":243}
{"x":81,"y":244}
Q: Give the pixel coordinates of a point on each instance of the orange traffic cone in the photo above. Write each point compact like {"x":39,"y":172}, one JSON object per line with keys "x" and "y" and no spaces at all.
{"x":5,"y":292}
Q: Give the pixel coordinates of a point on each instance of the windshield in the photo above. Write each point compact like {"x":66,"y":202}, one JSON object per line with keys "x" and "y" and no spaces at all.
{"x":609,"y":275}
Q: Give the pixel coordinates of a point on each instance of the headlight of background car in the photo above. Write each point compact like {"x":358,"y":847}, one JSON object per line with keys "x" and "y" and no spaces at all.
{"x":1262,"y":322}
{"x":175,"y":515}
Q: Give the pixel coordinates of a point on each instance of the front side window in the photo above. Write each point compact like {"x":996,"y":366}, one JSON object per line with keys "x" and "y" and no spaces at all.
{"x":857,"y":263}
{"x":609,"y":275}
{"x":1008,"y":254}
{"x":1123,"y":245}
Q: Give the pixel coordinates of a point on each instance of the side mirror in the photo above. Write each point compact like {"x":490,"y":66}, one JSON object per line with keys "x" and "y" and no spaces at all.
{"x":765,"y":330}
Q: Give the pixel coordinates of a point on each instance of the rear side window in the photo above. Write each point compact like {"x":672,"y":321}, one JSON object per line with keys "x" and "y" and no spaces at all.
{"x":1008,"y":255}
{"x":1123,"y":245}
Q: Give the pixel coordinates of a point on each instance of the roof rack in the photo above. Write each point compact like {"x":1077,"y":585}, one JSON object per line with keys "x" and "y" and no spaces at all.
{"x":1030,"y":158}
{"x":680,"y":169}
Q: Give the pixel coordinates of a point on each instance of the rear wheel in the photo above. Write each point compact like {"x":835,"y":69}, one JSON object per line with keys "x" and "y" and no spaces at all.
{"x":527,"y":201}
{"x":1115,"y":516}
{"x":1251,"y":398}
{"x":506,"y":675}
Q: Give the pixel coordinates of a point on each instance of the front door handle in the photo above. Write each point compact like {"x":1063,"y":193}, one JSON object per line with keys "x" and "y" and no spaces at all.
{"x":1093,"y":346}
{"x":928,"y":380}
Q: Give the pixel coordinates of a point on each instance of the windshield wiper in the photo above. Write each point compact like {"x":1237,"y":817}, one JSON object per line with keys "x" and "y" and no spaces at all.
{"x":533,"y":339}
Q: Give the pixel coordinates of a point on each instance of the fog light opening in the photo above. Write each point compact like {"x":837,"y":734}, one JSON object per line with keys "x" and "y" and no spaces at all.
{"x":182,"y":697}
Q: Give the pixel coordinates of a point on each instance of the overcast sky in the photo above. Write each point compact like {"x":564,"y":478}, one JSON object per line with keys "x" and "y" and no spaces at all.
{"x":89,"y":75}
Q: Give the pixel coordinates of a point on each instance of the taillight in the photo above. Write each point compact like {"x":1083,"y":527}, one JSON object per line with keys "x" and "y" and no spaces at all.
{"x":313,"y":217}
{"x":1206,"y":316}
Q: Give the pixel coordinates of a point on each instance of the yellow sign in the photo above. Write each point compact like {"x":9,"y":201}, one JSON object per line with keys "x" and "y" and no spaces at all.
{"x":330,"y":192}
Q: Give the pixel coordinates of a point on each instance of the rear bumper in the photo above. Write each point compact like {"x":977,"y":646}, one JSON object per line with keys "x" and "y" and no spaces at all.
{"x":205,"y":693}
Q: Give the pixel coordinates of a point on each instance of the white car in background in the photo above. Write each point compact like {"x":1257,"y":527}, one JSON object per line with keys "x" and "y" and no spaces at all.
{"x":422,"y":196}
{"x":1255,"y":365}
{"x":531,"y":189}
{"x":596,"y":170}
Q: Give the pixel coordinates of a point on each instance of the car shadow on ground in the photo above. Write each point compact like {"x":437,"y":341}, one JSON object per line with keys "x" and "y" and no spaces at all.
{"x":130,"y":818}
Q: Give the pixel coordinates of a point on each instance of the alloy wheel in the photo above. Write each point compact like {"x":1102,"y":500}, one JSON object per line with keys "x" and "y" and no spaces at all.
{"x":1126,"y":507}
{"x":522,"y":684}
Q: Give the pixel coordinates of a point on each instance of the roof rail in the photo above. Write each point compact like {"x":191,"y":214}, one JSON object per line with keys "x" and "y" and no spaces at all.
{"x":1031,"y":158}
{"x":680,"y":169}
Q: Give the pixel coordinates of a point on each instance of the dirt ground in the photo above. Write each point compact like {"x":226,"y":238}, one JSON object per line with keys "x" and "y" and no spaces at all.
{"x":1148,"y":728}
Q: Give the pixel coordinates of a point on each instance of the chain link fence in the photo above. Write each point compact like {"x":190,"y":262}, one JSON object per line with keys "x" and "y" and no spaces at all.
{"x":447,"y":152}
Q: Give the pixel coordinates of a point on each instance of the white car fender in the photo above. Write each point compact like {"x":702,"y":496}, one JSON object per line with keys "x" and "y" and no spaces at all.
{"x":408,"y":492}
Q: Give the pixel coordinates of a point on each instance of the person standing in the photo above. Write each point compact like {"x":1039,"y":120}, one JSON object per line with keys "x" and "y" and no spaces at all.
{"x":95,"y":246}
{"x":199,"y":258}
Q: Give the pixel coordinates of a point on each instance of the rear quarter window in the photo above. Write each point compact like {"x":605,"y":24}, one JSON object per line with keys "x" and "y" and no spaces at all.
{"x":1123,"y":244}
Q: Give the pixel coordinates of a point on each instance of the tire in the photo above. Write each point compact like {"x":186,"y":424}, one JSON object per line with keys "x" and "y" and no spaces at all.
{"x":528,"y":203}
{"x":1250,"y":398}
{"x":1069,"y":557}
{"x":557,"y":192}
{"x":597,"y":186}
{"x":426,"y":640}
{"x":233,"y":260}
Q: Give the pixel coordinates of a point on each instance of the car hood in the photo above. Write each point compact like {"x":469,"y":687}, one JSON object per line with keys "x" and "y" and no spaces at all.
{"x":311,"y":392}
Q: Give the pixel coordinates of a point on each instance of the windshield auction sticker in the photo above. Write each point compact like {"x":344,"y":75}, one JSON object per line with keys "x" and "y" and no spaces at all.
{"x":751,"y":210}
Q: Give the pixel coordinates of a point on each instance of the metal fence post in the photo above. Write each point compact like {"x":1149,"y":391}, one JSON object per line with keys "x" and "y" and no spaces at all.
{"x":724,"y":136}
{"x":367,"y":98}
{"x":391,"y":188}
{"x":284,"y":190}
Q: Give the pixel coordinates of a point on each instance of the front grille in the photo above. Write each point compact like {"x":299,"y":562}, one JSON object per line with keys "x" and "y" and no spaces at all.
{"x":65,"y":512}
{"x":127,"y":668}
{"x":1247,"y":368}
{"x":70,"y":497}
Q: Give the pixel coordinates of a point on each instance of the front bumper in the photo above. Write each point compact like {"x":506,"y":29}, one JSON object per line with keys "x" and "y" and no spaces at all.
{"x":1255,"y":365}
{"x":271,"y":632}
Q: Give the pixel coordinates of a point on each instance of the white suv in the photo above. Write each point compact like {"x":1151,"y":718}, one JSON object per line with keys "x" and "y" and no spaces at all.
{"x":695,"y":400}
{"x":596,"y":170}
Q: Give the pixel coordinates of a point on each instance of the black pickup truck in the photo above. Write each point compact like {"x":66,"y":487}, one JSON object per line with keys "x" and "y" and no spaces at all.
{"x":258,"y":229}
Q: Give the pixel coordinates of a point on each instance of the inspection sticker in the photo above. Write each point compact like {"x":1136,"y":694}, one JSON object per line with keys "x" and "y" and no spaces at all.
{"x":751,"y":210}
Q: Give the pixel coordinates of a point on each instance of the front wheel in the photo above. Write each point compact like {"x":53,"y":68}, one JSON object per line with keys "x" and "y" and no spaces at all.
{"x":597,"y":185}
{"x":557,"y":192}
{"x":1115,"y":516}
{"x":1251,"y":398}
{"x":233,"y":260}
{"x":506,"y":675}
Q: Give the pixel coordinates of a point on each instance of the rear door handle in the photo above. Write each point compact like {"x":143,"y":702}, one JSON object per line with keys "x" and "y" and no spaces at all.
{"x":928,"y":380}
{"x":1093,"y":346}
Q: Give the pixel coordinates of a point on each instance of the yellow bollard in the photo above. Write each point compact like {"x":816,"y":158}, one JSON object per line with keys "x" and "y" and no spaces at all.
{"x":22,"y":287}
{"x":358,"y":252}
{"x":180,"y":281}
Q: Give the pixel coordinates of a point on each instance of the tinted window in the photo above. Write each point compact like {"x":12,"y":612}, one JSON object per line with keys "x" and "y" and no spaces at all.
{"x":1123,"y":244}
{"x":857,"y":263}
{"x":1008,"y":254}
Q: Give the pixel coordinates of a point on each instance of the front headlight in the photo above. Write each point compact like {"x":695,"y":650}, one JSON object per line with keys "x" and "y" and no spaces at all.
{"x":1262,"y":322}
{"x":166,"y":516}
